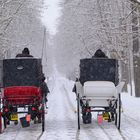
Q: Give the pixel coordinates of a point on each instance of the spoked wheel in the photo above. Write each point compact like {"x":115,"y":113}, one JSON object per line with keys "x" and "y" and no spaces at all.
{"x":43,"y":118}
{"x":78,"y":111}
{"x":118,"y":113}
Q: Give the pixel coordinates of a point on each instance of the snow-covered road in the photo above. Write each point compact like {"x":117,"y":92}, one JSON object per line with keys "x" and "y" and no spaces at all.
{"x":61,"y":120}
{"x":18,"y":133}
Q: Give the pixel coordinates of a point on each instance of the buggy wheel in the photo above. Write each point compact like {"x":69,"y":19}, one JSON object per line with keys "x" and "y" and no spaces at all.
{"x":78,"y":111}
{"x":118,"y":113}
{"x":43,"y":118}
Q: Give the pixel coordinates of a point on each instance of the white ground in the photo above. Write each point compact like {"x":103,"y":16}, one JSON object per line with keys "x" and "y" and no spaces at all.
{"x":61,"y":119}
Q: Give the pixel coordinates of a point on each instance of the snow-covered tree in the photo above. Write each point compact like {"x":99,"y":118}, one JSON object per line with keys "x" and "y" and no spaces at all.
{"x":20,"y":26}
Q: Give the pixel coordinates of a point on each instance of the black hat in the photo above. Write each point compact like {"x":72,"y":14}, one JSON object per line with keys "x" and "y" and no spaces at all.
{"x":26,"y":51}
{"x":99,"y":53}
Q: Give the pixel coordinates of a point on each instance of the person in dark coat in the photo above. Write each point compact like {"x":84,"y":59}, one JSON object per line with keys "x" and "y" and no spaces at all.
{"x":44,"y":92}
{"x":44,"y":89}
{"x":74,"y":87}
{"x":25,"y":53}
{"x":99,"y":53}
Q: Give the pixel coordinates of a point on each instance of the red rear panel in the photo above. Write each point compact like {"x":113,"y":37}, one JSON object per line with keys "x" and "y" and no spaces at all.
{"x":22,"y":95}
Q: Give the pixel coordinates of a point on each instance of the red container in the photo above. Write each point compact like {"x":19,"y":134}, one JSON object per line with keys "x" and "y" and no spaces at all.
{"x":99,"y":118}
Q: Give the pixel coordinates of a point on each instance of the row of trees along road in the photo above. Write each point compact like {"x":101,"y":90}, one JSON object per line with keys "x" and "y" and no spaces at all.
{"x":112,"y":25}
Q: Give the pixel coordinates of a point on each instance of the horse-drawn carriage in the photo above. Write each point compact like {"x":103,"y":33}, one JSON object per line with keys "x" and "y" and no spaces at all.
{"x":98,"y":90}
{"x":21,"y":93}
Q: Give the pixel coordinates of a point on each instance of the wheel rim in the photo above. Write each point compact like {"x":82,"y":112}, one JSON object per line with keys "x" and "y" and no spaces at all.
{"x":78,"y":111}
{"x":118,"y":113}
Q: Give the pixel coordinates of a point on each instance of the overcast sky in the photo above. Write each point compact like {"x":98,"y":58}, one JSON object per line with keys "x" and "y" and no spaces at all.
{"x":50,"y":15}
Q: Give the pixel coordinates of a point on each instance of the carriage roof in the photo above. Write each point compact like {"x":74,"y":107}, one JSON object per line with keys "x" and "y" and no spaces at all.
{"x":99,"y":69}
{"x":21,"y":72}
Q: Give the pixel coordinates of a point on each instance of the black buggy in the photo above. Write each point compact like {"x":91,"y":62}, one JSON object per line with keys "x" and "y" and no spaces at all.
{"x":98,"y":90}
{"x":21,"y":92}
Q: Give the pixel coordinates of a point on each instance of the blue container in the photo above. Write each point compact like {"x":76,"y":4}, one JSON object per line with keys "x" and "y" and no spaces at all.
{"x":24,"y":123}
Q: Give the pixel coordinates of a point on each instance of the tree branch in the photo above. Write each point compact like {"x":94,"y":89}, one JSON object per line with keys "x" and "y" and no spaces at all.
{"x":17,"y":10}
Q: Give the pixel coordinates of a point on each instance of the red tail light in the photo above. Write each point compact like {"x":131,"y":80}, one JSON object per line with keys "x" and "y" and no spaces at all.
{"x":88,"y":110}
{"x":33,"y":108}
{"x":6,"y":109}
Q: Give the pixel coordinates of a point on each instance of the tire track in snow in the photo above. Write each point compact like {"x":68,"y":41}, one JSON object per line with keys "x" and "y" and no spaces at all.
{"x":13,"y":132}
{"x":102,"y":131}
{"x":133,"y":125}
{"x":108,"y":134}
{"x":131,"y":118}
{"x":60,"y":124}
{"x":123,"y":137}
{"x":78,"y":135}
{"x":73,"y":108}
{"x":70,"y":114}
